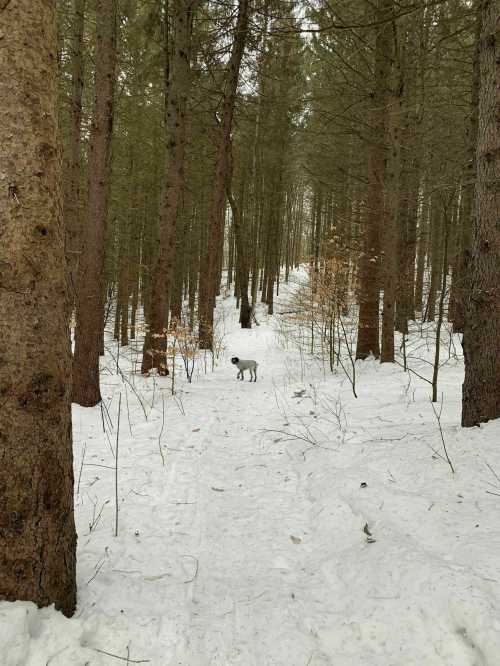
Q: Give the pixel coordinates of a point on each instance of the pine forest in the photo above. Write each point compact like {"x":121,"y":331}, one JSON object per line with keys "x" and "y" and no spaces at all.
{"x":304,"y":194}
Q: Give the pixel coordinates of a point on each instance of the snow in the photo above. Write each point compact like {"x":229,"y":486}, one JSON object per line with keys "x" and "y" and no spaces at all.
{"x":251,"y":546}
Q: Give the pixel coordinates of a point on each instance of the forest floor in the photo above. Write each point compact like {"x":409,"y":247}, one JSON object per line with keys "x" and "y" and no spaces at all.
{"x":245,"y":515}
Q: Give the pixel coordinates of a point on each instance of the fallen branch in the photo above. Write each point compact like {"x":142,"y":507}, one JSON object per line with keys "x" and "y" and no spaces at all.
{"x":127,"y":659}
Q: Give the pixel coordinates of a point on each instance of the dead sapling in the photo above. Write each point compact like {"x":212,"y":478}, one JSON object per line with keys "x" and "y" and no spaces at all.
{"x":116,"y":464}
{"x":437,"y":414}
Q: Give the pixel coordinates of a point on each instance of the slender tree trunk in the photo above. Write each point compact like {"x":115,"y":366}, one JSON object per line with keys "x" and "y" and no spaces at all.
{"x":178,"y":85}
{"x":90,"y":287}
{"x":125,"y":286}
{"x":222,"y":170}
{"x":422,"y":237}
{"x":37,"y":530}
{"x":242,"y":263}
{"x":435,"y":252}
{"x":481,"y":388}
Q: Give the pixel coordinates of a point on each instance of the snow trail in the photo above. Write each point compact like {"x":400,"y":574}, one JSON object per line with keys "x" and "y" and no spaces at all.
{"x":251,"y":545}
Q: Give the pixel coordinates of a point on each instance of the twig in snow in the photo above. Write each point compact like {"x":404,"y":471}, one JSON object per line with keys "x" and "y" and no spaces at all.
{"x":104,"y":429}
{"x":292,"y":436}
{"x":106,"y":412}
{"x":81,"y":467}
{"x":196,"y":569}
{"x":492,"y":470}
{"x":161,"y":431}
{"x":179,"y":403}
{"x":97,"y":569}
{"x":127,"y":658}
{"x":154,"y":393}
{"x":97,"y":465}
{"x":96,"y":518}
{"x":429,"y":381}
{"x":128,"y":411}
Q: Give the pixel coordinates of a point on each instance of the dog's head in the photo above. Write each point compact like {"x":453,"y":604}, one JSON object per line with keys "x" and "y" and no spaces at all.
{"x":235,"y":360}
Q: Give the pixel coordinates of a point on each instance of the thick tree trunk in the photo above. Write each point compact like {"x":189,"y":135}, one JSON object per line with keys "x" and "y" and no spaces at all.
{"x":37,"y":530}
{"x":90,"y":286}
{"x":461,"y":268}
{"x":481,"y":388}
{"x":177,"y":90}
{"x":72,"y":203}
{"x":392,"y":217}
{"x":369,"y":292}
{"x":208,"y":287}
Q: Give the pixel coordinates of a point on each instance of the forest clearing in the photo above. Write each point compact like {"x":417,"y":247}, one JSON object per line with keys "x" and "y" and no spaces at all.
{"x":249,"y":332}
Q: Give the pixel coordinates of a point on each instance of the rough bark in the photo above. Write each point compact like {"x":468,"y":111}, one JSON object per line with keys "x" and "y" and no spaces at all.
{"x":392,"y":216}
{"x":481,"y":388}
{"x":37,"y":531}
{"x":461,"y":269}
{"x":177,"y":90}
{"x":369,"y":293}
{"x":72,"y":203}
{"x":90,"y":285}
{"x":208,"y":287}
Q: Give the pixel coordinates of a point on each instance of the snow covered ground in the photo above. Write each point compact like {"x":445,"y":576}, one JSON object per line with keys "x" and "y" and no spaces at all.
{"x":281,"y":523}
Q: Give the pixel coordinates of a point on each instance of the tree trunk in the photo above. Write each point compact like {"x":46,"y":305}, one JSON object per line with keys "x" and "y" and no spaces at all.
{"x":208,"y":288}
{"x":434,"y":254}
{"x":37,"y":530}
{"x":243,"y":272}
{"x":369,"y":293}
{"x":422,"y":243}
{"x":481,"y":388}
{"x":90,"y":287}
{"x":72,"y":203}
{"x":177,"y":90}
{"x":392,"y":217}
{"x":461,"y":268}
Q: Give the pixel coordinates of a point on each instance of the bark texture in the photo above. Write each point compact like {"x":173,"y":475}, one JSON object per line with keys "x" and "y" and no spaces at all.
{"x":177,"y":89}
{"x":90,"y":284}
{"x":392,"y":210}
{"x":461,"y":269}
{"x":37,"y":530}
{"x":481,"y":388}
{"x":208,"y":287}
{"x":369,"y":291}
{"x":72,"y":204}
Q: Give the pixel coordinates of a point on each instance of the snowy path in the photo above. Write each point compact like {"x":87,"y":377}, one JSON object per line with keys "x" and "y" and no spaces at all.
{"x":246,"y":600}
{"x":244,"y":501}
{"x":247,"y":547}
